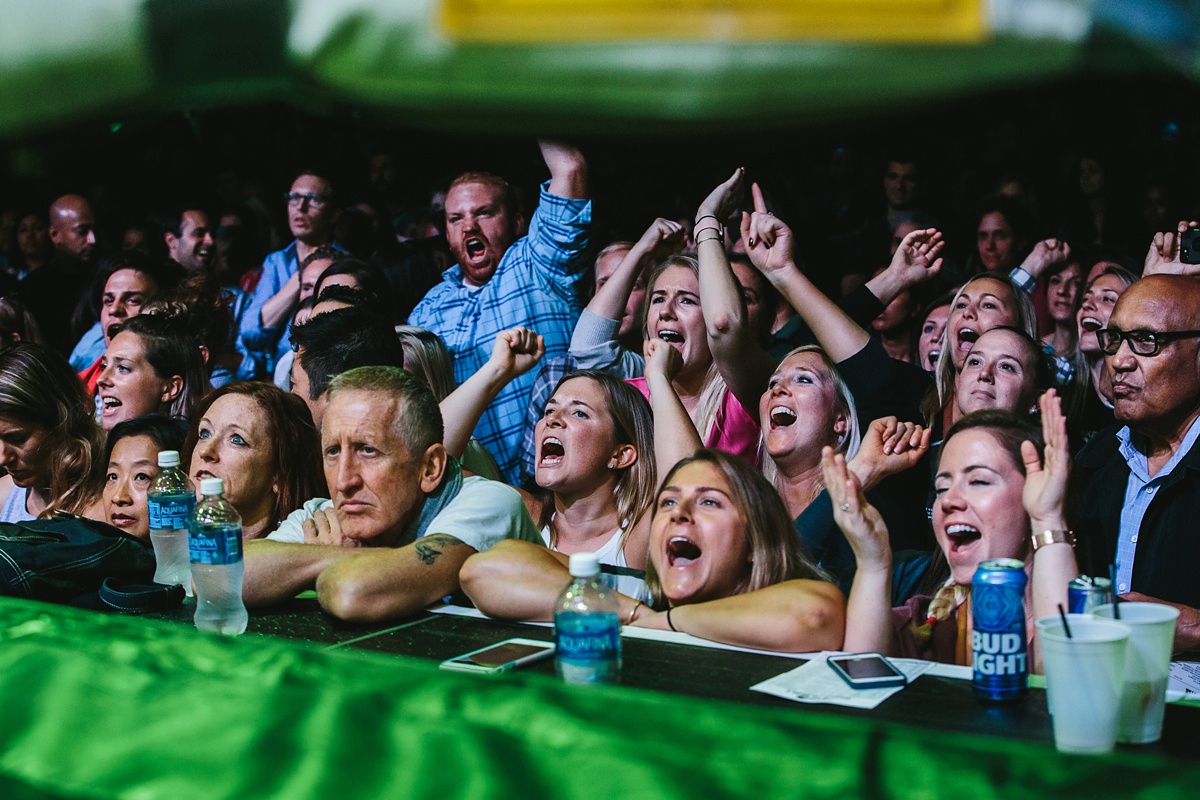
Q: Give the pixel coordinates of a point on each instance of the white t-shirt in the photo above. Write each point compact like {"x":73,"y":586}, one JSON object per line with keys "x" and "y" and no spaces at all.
{"x":483,"y":513}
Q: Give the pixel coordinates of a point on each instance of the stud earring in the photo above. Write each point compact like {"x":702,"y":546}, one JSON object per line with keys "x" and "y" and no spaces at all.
{"x":612,"y":464}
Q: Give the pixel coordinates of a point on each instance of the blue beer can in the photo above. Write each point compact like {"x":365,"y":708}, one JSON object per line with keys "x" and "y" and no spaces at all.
{"x":1084,"y":594}
{"x":998,"y":643}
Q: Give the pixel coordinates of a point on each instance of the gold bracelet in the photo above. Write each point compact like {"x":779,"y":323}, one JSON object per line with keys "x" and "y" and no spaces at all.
{"x":633,"y":613}
{"x":716,"y":237}
{"x":1044,"y":538}
{"x":706,"y":216}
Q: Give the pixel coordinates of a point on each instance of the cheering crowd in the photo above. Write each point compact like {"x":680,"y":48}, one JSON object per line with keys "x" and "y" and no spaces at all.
{"x":769,"y":442}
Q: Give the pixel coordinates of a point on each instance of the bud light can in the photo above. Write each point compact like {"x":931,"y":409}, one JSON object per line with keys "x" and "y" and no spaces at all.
{"x":998,"y":642}
{"x":1084,"y":594}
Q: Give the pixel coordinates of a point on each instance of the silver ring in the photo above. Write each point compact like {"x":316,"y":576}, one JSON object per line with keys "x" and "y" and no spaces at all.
{"x":844,"y":506}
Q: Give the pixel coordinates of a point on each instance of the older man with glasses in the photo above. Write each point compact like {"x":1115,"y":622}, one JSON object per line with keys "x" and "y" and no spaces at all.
{"x":312,"y":214}
{"x":1140,"y":480}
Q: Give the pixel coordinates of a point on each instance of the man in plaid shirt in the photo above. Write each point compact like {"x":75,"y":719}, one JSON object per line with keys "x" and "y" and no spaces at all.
{"x":499,"y":281}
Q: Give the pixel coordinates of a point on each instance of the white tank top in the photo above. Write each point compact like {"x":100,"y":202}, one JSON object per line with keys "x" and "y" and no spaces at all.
{"x":621,"y":577}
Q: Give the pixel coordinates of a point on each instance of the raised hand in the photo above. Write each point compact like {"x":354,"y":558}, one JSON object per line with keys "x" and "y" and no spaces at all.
{"x":723,"y":200}
{"x":1046,"y":478}
{"x":917,"y":259}
{"x":888,"y":447}
{"x":568,"y":168}
{"x":1163,"y":255}
{"x":664,"y":237}
{"x":1046,"y":254}
{"x":768,"y":240}
{"x":516,"y":351}
{"x":661,"y":359}
{"x":858,"y":519}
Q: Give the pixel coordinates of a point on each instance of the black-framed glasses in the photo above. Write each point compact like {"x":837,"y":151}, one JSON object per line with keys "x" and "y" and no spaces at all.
{"x":1141,"y":342}
{"x":298,"y":198}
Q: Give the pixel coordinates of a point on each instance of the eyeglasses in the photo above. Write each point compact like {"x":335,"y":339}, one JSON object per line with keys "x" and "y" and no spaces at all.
{"x":315,"y":201}
{"x":1141,"y":342}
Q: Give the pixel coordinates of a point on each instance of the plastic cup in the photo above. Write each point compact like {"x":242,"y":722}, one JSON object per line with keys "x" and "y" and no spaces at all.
{"x":1147,"y":665}
{"x":1085,"y":675}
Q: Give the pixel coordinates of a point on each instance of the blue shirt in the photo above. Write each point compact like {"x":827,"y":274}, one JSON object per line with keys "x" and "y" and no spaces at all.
{"x":533,"y":286}
{"x":1139,"y":492}
{"x":266,"y":345}
{"x":90,"y":348}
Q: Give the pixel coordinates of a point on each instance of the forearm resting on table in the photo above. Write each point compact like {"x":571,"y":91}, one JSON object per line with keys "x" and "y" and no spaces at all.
{"x":797,"y":616}
{"x":376,"y":584}
{"x":515,"y":580}
{"x":278,"y":571}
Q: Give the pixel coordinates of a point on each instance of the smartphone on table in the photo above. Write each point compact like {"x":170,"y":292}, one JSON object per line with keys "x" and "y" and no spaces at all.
{"x":867,"y":671}
{"x":500,"y":657}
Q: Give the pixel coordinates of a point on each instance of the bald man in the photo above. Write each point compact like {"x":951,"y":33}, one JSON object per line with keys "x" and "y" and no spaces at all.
{"x":72,"y":228}
{"x":52,"y":292}
{"x":1140,"y":500}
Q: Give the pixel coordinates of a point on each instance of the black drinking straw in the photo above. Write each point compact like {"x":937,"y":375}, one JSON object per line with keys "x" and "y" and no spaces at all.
{"x":1066,"y":628}
{"x":1112,"y":576}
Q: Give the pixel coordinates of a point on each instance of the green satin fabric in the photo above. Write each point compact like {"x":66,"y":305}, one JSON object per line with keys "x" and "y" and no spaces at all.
{"x":95,"y":706}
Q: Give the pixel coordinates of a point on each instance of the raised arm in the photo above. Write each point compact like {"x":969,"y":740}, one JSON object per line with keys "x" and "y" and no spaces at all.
{"x":281,"y":307}
{"x":515,"y":352}
{"x":742,"y":362}
{"x":662,"y":237}
{"x":1163,"y":256}
{"x":675,"y":435}
{"x":769,"y":245}
{"x":915,"y":261}
{"x":1044,"y":499}
{"x":1045,"y":255}
{"x":568,"y":169}
{"x":888,"y":447}
{"x":798,"y":616}
{"x":869,"y":607}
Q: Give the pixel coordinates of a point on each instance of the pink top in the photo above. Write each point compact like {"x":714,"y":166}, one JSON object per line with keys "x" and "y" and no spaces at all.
{"x":735,"y":430}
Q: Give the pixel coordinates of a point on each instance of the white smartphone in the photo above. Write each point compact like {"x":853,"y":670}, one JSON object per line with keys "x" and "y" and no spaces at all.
{"x":867,"y":671}
{"x":500,"y":657}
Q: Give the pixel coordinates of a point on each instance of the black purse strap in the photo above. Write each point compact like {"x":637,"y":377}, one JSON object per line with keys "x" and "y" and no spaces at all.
{"x":140,"y":598}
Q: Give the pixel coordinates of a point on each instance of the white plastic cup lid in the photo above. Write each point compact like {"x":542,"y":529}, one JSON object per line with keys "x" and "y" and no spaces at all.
{"x":168,"y":458}
{"x":211,"y":486}
{"x":584,"y":565}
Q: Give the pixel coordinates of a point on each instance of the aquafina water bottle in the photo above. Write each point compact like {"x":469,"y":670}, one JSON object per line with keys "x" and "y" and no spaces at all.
{"x":215,"y":548}
{"x":170,"y":501}
{"x":587,"y":629}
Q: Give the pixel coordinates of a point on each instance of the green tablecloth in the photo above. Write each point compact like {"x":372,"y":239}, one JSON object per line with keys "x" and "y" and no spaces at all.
{"x":98,"y":706}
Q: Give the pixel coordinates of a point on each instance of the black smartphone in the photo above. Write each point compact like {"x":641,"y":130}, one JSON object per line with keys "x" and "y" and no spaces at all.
{"x":1189,"y":246}
{"x":867,"y":671}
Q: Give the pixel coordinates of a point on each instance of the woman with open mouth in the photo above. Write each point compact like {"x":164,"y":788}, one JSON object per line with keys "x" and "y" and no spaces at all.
{"x":1091,"y":403}
{"x":725,"y":563}
{"x":1000,"y":494}
{"x":595,"y":465}
{"x":152,"y":365}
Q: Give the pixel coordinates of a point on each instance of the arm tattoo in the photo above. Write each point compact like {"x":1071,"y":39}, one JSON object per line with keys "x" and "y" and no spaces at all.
{"x":429,"y":548}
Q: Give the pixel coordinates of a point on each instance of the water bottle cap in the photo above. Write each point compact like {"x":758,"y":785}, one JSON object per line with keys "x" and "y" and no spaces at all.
{"x":211,"y":486}
{"x":584,"y":565}
{"x":168,"y":458}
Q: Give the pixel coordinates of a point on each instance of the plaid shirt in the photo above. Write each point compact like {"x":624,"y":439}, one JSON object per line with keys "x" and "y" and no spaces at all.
{"x":533,"y":286}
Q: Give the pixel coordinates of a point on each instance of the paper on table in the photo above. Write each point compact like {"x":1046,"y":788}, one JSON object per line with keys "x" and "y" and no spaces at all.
{"x":1184,"y":682}
{"x":816,"y":682}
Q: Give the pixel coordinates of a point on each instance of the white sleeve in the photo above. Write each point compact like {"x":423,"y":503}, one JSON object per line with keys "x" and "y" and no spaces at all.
{"x":291,"y":530}
{"x":483,"y":513}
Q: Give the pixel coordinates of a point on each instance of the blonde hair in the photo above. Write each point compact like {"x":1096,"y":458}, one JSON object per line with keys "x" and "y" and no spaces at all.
{"x":426,"y":357}
{"x":848,"y":445}
{"x":712,"y":395}
{"x":775,"y":550}
{"x":1026,"y":320}
{"x":633,"y":425}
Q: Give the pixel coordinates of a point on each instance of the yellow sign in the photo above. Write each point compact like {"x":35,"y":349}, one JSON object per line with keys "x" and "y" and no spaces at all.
{"x":581,"y":21}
